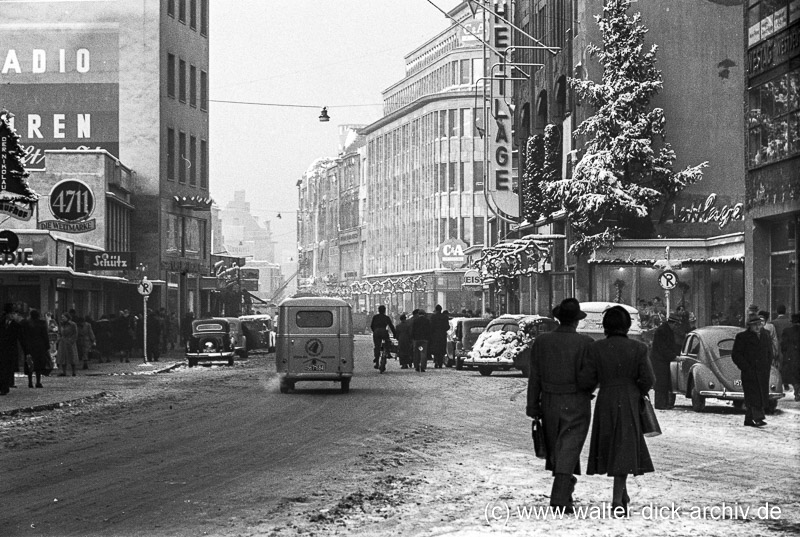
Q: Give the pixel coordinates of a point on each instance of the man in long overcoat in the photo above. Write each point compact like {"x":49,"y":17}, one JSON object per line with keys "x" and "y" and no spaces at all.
{"x":10,"y":337}
{"x":420,"y":336}
{"x":752,"y":354}
{"x":666,"y":346}
{"x":440,"y":324}
{"x":554,"y":396}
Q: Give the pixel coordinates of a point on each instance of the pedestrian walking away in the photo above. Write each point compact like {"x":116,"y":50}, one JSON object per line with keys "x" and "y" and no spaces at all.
{"x":554,"y":396}
{"x":440,"y":324}
{"x":67,"y":354}
{"x":752,"y":354}
{"x":380,"y":326}
{"x":86,"y":340}
{"x":667,"y":339}
{"x":10,"y":339}
{"x":36,"y":341}
{"x":404,"y":342}
{"x":623,"y":371}
{"x":420,"y":337}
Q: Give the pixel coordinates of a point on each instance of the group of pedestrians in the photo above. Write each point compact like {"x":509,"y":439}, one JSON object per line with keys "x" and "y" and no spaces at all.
{"x":566,"y":368}
{"x":420,"y":338}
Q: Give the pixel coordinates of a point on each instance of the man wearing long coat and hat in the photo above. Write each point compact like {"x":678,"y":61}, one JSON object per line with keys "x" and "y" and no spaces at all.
{"x":554,"y":396}
{"x":667,"y":340}
{"x":752,"y":354}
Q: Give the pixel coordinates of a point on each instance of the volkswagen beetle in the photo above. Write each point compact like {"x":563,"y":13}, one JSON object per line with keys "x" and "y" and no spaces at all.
{"x":704,"y":369}
{"x":217,"y":338}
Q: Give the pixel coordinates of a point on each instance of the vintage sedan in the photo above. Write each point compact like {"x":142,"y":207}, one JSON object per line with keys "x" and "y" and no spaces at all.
{"x":260,"y":332}
{"x":216,"y":339}
{"x":704,"y":369}
{"x":592,"y":325}
{"x":463,"y":334}
{"x":506,"y":343}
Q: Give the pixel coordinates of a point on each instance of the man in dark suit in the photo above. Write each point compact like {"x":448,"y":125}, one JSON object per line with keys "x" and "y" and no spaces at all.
{"x":554,"y":396}
{"x":666,"y":346}
{"x":752,"y":354}
{"x":420,"y":336}
{"x":440,"y":324}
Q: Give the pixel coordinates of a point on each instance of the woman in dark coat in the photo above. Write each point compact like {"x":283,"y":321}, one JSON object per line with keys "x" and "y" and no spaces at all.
{"x":622,"y":369}
{"x":36,"y":341}
{"x":752,"y":354}
{"x":404,"y":344}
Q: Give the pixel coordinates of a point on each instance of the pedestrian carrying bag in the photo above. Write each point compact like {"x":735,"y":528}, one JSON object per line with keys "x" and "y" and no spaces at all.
{"x":537,"y":432}
{"x":650,"y":426}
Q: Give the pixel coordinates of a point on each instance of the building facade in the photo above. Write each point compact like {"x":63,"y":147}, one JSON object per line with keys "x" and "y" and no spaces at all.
{"x":130,"y":79}
{"x":702,"y":65}
{"x":772,"y":187}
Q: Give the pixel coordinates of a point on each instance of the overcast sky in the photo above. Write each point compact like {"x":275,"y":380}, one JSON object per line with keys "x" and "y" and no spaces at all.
{"x":334,"y":53}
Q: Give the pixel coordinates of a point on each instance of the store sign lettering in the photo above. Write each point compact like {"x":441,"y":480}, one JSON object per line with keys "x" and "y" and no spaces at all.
{"x":774,"y":51}
{"x":23,"y":256}
{"x":707,"y":212}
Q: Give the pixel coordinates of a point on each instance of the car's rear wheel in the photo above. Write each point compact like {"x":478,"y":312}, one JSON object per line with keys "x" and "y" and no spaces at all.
{"x":192,"y":362}
{"x":484,"y":371}
{"x":345,"y":385}
{"x":698,"y":401}
{"x":772,"y":406}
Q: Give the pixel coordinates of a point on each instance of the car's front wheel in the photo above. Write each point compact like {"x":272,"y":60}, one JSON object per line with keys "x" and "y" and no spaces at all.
{"x":484,"y":371}
{"x":346,"y":385}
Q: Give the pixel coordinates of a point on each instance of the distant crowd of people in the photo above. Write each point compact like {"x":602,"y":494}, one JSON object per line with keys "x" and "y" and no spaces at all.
{"x":39,"y":344}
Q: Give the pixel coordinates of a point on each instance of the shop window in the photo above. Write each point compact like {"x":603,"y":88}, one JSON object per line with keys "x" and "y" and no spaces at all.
{"x":774,"y":119}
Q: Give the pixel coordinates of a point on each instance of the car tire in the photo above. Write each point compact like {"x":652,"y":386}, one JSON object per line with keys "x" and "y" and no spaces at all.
{"x":284,"y":387}
{"x":484,"y":371}
{"x":772,"y":406}
{"x":738,"y":404}
{"x":230,"y":361}
{"x":345,"y":385}
{"x":698,"y":401}
{"x":459,"y":364}
{"x":192,"y":362}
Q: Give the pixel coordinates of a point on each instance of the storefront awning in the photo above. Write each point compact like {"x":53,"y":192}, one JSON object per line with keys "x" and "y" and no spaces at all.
{"x":518,"y":257}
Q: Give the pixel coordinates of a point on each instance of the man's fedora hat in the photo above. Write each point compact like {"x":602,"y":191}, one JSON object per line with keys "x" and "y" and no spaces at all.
{"x":569,"y":310}
{"x":754,"y":318}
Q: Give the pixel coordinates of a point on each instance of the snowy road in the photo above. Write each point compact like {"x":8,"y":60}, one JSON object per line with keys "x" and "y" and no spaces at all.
{"x":219,"y":451}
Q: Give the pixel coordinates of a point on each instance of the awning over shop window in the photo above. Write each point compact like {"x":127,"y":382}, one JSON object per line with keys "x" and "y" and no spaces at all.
{"x":519,"y":257}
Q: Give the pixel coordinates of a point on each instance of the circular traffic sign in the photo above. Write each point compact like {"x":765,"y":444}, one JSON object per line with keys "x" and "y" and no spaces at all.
{"x":668,"y":280}
{"x":145,"y":287}
{"x":71,"y":201}
{"x":9,"y":242}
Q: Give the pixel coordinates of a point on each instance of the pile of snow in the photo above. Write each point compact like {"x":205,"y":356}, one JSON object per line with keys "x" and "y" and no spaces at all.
{"x":499,"y":346}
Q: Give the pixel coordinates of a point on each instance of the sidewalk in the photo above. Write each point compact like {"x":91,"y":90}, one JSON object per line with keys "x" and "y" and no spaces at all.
{"x":87,"y":384}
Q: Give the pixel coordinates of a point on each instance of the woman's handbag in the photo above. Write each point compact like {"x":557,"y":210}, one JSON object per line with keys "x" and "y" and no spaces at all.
{"x":650,"y":426}
{"x":537,"y":432}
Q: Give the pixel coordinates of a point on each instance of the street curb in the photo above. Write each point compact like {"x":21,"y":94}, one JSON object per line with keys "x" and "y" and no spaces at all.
{"x":53,"y":406}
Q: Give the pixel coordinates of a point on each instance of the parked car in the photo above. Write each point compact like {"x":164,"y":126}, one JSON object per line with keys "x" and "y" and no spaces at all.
{"x":704,"y":369}
{"x":217,"y":338}
{"x":260,"y":332}
{"x":506,"y":343}
{"x":463,"y":334}
{"x":592,"y":325}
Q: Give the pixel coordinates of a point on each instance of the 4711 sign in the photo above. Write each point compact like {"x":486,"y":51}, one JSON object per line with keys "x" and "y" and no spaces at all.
{"x":72,"y":203}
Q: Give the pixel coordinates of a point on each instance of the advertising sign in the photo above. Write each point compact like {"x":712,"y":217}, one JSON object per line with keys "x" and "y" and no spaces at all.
{"x":72,"y":203}
{"x":89,"y":261}
{"x":61,"y":82}
{"x":451,"y":253}
{"x":500,"y":176}
{"x":472,"y":280}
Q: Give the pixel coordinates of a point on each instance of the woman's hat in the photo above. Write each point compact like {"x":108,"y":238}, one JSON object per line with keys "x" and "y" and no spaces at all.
{"x":568,"y":311}
{"x":754,"y":318}
{"x":616,"y":319}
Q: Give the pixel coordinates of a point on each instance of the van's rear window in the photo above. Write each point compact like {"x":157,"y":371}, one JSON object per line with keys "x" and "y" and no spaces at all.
{"x":314,"y":319}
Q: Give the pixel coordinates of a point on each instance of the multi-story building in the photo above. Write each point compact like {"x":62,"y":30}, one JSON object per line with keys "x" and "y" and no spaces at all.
{"x":130,"y":79}
{"x":700,"y":56}
{"x":245,"y":235}
{"x":772,"y":217}
{"x":425,"y":175}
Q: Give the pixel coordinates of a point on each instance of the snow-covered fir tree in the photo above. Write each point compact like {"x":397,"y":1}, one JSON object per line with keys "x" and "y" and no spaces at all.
{"x":626,"y":169}
{"x":542,"y":167}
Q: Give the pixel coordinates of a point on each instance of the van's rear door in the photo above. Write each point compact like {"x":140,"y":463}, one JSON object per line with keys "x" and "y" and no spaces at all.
{"x":314,"y":340}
